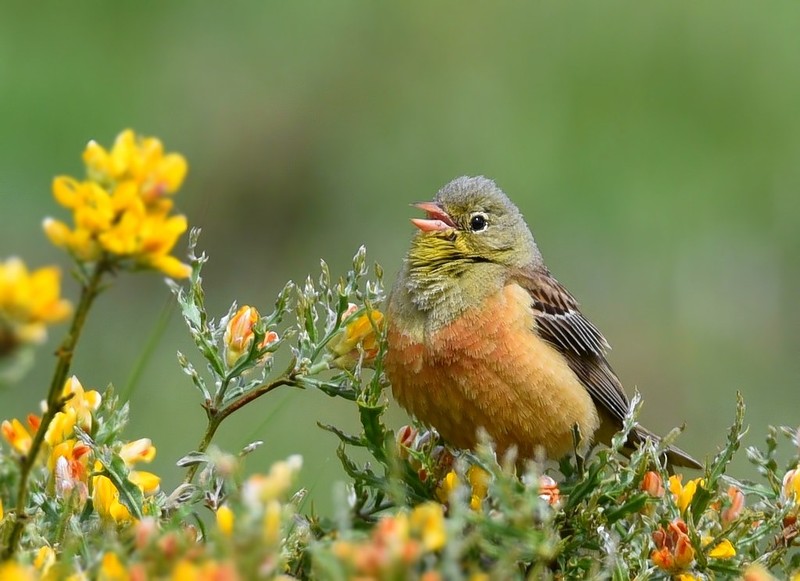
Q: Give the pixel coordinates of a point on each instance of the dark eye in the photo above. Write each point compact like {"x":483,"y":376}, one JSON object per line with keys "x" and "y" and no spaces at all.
{"x":478,"y":222}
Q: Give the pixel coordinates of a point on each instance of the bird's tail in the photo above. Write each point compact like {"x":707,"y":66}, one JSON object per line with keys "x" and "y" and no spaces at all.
{"x":675,"y":456}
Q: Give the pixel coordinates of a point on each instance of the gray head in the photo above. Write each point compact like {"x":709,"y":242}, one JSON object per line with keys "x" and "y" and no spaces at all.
{"x":472,"y":238}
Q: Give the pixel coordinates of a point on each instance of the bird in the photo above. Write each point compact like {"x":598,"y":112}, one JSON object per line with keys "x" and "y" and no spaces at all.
{"x":481,"y":336}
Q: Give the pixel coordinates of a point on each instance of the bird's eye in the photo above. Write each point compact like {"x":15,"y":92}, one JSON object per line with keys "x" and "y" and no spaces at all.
{"x":478,"y":222}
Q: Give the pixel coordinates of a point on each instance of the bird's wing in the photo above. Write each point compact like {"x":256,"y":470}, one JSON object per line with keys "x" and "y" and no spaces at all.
{"x":560,"y":323}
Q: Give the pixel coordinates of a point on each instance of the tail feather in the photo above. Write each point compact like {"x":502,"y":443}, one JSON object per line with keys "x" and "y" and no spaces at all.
{"x":675,"y":456}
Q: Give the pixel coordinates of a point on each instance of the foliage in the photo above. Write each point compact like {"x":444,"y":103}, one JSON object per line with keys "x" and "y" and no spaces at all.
{"x":78,"y":504}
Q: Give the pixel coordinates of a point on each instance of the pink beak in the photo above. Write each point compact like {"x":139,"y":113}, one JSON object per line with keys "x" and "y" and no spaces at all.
{"x":437,"y":220}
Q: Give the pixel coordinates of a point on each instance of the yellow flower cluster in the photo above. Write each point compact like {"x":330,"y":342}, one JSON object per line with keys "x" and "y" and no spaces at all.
{"x":122,"y":210}
{"x":28,"y":302}
{"x":69,"y":460}
{"x":396,"y":544}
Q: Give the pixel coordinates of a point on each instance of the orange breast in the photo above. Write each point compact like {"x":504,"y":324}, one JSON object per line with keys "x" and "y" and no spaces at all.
{"x":489,"y":369}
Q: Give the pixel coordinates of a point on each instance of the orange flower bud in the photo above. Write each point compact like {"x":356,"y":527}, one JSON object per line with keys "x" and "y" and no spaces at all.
{"x":548,"y":490}
{"x":238,"y":338}
{"x":652,"y":484}
{"x":731,"y":513}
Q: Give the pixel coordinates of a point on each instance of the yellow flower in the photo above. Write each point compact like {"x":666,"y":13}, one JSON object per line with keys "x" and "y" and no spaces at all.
{"x":791,"y":486}
{"x":723,"y":550}
{"x":12,"y":571}
{"x":105,"y":497}
{"x":686,"y":577}
{"x":272,"y":523}
{"x":121,"y":210}
{"x":147,"y":482}
{"x":112,"y":569}
{"x":427,"y":520}
{"x":446,"y":487}
{"x":259,"y":489}
{"x":45,"y":559}
{"x":140,"y":159}
{"x":683,"y":494}
{"x":28,"y":302}
{"x":756,"y":572}
{"x":77,"y":410}
{"x":478,"y":479}
{"x":225,"y":520}
{"x":2,"y":514}
{"x":141,"y":450}
{"x":16,"y":435}
{"x":363,"y":330}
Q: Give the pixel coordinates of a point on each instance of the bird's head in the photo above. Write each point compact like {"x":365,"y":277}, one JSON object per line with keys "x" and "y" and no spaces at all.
{"x":473,"y":221}
{"x":472,"y":236}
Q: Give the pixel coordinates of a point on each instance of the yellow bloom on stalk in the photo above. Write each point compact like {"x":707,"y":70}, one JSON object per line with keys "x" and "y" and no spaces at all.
{"x":683,"y":494}
{"x":791,"y":486}
{"x":361,"y":331}
{"x":225,"y":520}
{"x":77,"y":410}
{"x":13,"y":571}
{"x":16,"y":435}
{"x":140,"y":160}
{"x":112,"y":569}
{"x":722,"y":550}
{"x":446,"y":487}
{"x":259,"y":489}
{"x":121,"y":209}
{"x":28,"y":302}
{"x":105,"y":497}
{"x":427,"y":520}
{"x":45,"y":559}
{"x":479,"y":483}
{"x":271,"y":525}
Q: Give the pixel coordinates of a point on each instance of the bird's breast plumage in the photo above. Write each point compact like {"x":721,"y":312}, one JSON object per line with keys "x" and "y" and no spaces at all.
{"x":488,"y":369}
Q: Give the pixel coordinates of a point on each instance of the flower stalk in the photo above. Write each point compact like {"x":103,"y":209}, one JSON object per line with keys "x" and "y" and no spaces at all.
{"x":55,"y":401}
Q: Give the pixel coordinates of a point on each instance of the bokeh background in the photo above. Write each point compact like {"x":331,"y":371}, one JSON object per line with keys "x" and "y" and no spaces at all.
{"x":653,"y":148}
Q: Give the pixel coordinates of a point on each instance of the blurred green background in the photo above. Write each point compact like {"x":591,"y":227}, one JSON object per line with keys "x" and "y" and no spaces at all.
{"x":652,"y":147}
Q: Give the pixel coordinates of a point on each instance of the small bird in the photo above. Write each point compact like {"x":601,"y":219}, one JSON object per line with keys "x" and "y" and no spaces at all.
{"x":481,"y":335}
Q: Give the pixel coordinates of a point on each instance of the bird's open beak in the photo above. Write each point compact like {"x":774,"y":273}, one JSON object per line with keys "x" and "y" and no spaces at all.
{"x":437,"y":221}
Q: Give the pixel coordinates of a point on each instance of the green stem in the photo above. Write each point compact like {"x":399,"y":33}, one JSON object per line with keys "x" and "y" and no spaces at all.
{"x":55,"y":402}
{"x":217,"y":415}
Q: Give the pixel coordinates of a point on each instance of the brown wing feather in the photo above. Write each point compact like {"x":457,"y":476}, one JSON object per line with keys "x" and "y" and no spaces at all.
{"x":561,"y":323}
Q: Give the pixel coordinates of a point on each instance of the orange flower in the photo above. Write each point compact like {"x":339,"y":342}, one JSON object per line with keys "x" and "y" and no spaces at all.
{"x":674,"y":551}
